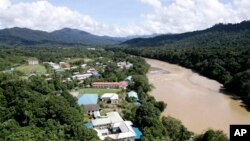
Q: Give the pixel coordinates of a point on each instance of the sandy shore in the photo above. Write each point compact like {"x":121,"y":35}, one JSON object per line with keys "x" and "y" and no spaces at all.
{"x":194,"y":99}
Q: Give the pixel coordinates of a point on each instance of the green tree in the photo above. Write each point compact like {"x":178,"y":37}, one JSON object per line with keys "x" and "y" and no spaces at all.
{"x":212,"y":135}
{"x":175,"y":130}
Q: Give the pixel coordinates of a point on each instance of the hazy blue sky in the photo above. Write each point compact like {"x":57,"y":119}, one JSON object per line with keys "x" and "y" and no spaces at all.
{"x":122,"y":17}
{"x":107,"y":11}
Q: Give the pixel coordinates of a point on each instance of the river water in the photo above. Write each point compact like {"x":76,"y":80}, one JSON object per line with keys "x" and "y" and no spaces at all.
{"x":194,"y":99}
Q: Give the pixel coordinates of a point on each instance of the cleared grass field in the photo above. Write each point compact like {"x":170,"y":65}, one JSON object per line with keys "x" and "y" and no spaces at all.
{"x":86,"y":60}
{"x":99,"y":91}
{"x":38,"y":69}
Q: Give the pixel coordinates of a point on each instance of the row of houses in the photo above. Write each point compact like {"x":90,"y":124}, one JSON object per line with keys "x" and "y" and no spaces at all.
{"x":82,"y":76}
{"x":62,"y":66}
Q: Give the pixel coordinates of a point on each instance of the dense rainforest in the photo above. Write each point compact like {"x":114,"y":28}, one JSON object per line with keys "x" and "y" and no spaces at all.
{"x":220,"y":35}
{"x":229,"y":66}
{"x":31,"y":110}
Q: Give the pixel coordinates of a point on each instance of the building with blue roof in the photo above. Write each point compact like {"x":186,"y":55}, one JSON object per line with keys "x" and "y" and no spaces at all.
{"x":138,"y":133}
{"x":133,"y":94}
{"x":88,"y":125}
{"x":86,"y":99}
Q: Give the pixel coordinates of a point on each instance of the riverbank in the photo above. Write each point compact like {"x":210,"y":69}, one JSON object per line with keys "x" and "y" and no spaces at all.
{"x":194,"y":99}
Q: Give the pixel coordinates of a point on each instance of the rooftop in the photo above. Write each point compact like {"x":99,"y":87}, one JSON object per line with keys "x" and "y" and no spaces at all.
{"x":114,"y":117}
{"x":138,"y":133}
{"x":101,"y":121}
{"x":88,"y":125}
{"x":92,"y":107}
{"x":133,"y":94}
{"x":120,"y":129}
{"x":110,"y":95}
{"x":126,"y":130}
{"x":110,"y":83}
{"x":86,"y":99}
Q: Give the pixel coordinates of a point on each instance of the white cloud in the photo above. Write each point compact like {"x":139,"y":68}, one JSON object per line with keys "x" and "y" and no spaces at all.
{"x":188,"y":15}
{"x":154,"y":3}
{"x":44,"y":16}
{"x":174,"y":17}
{"x":4,"y":4}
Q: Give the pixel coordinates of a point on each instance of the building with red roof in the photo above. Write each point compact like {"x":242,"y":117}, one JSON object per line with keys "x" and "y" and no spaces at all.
{"x":112,"y":85}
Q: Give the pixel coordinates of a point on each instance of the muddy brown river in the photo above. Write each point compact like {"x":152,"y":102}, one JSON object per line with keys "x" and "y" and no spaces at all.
{"x":194,"y":99}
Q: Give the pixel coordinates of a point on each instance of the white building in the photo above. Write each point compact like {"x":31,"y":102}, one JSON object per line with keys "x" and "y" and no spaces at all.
{"x":64,"y":64}
{"x":110,"y":98}
{"x":91,"y":70}
{"x":74,"y":67}
{"x":33,"y":61}
{"x":124,"y":64}
{"x":114,"y":127}
{"x":83,"y":65}
{"x":54,"y":65}
{"x":81,"y":76}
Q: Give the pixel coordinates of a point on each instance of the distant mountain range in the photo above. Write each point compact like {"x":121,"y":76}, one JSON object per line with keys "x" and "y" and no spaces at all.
{"x":226,"y":35}
{"x":27,"y":36}
{"x":218,"y":35}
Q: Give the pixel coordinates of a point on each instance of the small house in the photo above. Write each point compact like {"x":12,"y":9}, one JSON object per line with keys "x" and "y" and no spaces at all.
{"x":110,"y":98}
{"x":54,"y":65}
{"x":133,"y":94}
{"x":92,"y":109}
{"x":83,"y":65}
{"x":64,"y":64}
{"x":91,"y":70}
{"x":32,"y":62}
{"x":81,"y":76}
{"x":124,"y":64}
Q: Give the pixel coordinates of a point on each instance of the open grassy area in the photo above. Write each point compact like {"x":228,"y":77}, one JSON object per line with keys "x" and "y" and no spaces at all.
{"x":86,"y":60}
{"x":38,"y":69}
{"x":99,"y":91}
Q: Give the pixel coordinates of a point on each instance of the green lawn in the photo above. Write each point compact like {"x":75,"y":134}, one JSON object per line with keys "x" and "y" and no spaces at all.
{"x":99,"y":91}
{"x":86,"y":60}
{"x":38,"y":69}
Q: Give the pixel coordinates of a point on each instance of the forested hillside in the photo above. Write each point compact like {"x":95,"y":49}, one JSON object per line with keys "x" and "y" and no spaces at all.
{"x":220,"y":35}
{"x":31,"y":110}
{"x":230,"y":66}
{"x":25,"y":36}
